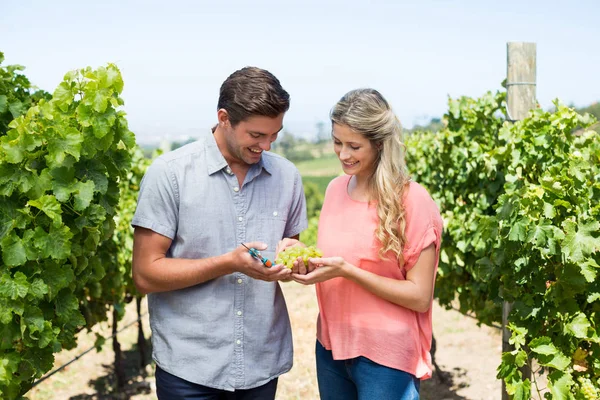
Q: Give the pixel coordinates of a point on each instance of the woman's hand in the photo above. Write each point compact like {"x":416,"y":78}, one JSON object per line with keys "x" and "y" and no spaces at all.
{"x":322,"y":269}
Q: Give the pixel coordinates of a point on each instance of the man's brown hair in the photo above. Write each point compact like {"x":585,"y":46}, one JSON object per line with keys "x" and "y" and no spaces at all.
{"x":252,"y":91}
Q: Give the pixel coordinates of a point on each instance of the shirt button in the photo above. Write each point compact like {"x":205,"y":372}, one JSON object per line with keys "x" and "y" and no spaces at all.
{"x":274,"y":213}
{"x":238,"y":342}
{"x":240,"y":281}
{"x":228,"y":170}
{"x":236,"y":189}
{"x":239,"y":313}
{"x":240,"y":219}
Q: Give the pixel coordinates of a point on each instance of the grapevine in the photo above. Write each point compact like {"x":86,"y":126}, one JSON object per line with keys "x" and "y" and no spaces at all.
{"x":60,"y":166}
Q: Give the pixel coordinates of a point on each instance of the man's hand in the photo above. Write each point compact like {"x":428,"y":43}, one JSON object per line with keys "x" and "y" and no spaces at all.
{"x":243,"y":262}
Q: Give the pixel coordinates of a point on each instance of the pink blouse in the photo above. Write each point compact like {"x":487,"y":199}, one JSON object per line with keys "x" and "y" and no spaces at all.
{"x":354,"y":322}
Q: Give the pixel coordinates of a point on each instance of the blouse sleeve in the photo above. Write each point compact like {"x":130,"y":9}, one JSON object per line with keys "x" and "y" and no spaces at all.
{"x":423,"y":224}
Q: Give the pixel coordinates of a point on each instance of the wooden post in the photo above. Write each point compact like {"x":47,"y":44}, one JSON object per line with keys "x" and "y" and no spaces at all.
{"x":119,"y":365}
{"x":520,"y":98}
{"x":141,"y":338}
{"x":520,"y":79}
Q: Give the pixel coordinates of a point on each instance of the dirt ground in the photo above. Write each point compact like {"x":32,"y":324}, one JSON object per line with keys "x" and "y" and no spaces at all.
{"x":466,"y":354}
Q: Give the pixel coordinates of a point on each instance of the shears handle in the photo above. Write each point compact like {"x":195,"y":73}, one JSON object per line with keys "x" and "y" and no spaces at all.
{"x":256,"y":254}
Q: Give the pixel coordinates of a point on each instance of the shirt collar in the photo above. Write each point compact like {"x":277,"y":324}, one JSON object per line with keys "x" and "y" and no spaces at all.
{"x":216,"y":162}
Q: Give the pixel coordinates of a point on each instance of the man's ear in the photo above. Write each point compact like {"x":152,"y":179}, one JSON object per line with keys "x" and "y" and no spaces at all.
{"x":223,"y":117}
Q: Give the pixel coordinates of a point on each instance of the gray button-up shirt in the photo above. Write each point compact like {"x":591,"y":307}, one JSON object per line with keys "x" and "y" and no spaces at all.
{"x":232,"y":332}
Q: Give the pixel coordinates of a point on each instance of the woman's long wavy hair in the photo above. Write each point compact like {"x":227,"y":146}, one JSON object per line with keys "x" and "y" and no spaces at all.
{"x":366,"y":112}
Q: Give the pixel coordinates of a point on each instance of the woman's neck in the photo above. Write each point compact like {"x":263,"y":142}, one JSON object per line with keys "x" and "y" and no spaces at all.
{"x":359,"y":188}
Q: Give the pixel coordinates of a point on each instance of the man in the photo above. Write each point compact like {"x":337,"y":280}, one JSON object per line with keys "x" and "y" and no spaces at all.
{"x":220,"y":328}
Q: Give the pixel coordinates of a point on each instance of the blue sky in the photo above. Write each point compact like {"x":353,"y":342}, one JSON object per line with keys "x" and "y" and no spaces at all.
{"x":175,"y":54}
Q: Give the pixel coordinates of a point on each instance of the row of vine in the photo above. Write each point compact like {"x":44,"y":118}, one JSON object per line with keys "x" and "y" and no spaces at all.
{"x":521,"y":206}
{"x":67,"y":194}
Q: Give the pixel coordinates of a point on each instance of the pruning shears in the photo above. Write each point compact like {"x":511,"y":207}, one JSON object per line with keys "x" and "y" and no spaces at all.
{"x":256,"y":254}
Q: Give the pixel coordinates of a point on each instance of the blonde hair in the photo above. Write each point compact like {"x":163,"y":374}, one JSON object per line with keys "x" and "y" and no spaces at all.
{"x":366,"y":112}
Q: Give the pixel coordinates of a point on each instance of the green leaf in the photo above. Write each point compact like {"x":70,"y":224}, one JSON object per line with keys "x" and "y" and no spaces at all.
{"x":14,"y":288}
{"x":113,"y":78}
{"x":57,"y":244}
{"x":518,"y":231}
{"x":8,"y":214}
{"x":9,"y":333}
{"x":32,"y":320}
{"x":521,"y":358}
{"x":56,"y":277}
{"x":66,"y":303}
{"x":549,"y":355}
{"x":521,"y":390}
{"x":3,"y":103}
{"x":485,"y":269}
{"x":592,"y":297}
{"x":560,"y":385}
{"x":16,"y":108}
{"x":578,"y":326}
{"x":41,"y":360}
{"x":6,"y":313}
{"x":63,"y":184}
{"x":507,"y":367}
{"x":540,"y":233}
{"x":579,"y":242}
{"x":85,"y":115}
{"x":589,"y":269}
{"x":85,"y":195}
{"x":63,"y":96}
{"x":99,"y":342}
{"x":549,"y":211}
{"x":13,"y":250}
{"x":41,"y":185}
{"x":128,"y":138}
{"x":48,"y":335}
{"x":67,"y":142}
{"x":95,"y":171}
{"x":100,"y":101}
{"x":9,"y":364}
{"x":38,"y":288}
{"x":518,"y":335}
{"x":49,"y":205}
{"x":102,"y":124}
{"x":13,"y":150}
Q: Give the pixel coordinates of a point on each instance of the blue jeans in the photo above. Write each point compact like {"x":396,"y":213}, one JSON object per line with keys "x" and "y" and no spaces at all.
{"x":362,"y":379}
{"x":171,"y":387}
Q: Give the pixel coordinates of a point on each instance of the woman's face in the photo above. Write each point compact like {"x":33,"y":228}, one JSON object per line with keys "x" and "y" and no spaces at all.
{"x":357,"y":153}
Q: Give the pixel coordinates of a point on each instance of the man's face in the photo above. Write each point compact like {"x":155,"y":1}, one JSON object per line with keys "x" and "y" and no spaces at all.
{"x":249,"y":138}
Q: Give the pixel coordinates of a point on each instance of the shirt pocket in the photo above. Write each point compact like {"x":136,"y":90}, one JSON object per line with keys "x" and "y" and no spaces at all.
{"x":271,"y":230}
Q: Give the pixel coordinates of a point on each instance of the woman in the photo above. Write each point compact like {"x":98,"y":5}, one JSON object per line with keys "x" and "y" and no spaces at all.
{"x":380,"y":236}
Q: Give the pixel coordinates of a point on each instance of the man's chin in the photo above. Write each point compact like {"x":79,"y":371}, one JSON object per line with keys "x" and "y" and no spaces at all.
{"x":253,"y":158}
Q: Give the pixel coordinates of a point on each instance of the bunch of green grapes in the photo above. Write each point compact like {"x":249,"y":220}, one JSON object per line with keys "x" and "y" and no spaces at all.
{"x":289,"y":255}
{"x":587,"y":388}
